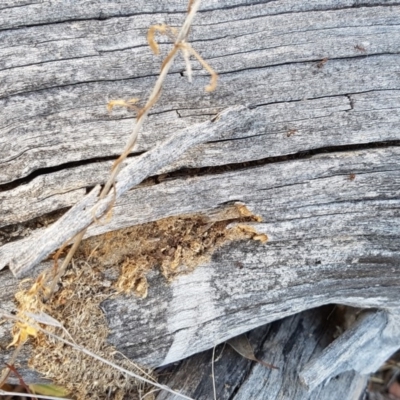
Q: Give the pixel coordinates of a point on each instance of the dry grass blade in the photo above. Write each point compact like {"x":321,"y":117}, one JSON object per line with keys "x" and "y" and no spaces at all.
{"x":214,"y":77}
{"x":12,"y":360}
{"x":125,"y":371}
{"x":19,"y":377}
{"x":31,"y":396}
{"x":154,"y":96}
{"x":77,"y":240}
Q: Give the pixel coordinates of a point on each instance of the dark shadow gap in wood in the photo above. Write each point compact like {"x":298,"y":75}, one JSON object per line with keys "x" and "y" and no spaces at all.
{"x":60,"y":167}
{"x":207,"y":170}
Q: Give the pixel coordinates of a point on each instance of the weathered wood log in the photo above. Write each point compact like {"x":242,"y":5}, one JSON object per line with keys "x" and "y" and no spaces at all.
{"x":314,"y":151}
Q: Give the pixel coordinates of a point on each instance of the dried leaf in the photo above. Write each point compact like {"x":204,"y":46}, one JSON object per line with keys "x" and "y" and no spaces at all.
{"x":22,"y":335}
{"x":122,"y":103}
{"x":242,"y":346}
{"x":48,"y":390}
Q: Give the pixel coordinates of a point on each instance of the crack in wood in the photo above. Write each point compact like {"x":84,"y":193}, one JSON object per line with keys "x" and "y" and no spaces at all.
{"x":48,"y":170}
{"x":207,"y":170}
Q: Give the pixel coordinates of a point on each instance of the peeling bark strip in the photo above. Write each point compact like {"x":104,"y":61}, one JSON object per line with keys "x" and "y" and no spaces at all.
{"x":318,"y":79}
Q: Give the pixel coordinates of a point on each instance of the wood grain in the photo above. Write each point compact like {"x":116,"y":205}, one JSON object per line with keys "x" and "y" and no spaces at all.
{"x":64,"y":99}
{"x":312,"y":147}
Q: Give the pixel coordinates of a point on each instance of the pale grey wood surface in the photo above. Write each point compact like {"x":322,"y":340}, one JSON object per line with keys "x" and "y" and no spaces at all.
{"x":332,"y":238}
{"x":357,"y":349}
{"x":276,"y":192}
{"x":53,"y":111}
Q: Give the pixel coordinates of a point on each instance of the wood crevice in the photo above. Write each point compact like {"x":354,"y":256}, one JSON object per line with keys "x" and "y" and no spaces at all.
{"x":207,"y":170}
{"x":304,"y":62}
{"x":255,"y":106}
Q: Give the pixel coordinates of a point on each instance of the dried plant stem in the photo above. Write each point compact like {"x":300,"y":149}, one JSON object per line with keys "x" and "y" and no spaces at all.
{"x":154,"y":96}
{"x":214,"y":76}
{"x":77,"y":240}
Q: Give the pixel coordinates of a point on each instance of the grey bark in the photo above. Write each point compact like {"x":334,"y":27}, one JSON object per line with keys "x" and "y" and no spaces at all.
{"x":314,"y":151}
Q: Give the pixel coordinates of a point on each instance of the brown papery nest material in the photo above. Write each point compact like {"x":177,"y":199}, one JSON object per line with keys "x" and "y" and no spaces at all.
{"x":113,"y":263}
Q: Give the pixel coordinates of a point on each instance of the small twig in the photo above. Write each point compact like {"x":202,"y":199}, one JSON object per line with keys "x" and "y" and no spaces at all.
{"x":77,"y":240}
{"x":214,"y":76}
{"x":135,"y":365}
{"x":152,"y":98}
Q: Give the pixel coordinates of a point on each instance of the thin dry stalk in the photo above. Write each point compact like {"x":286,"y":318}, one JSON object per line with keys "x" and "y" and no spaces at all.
{"x":142,"y":115}
{"x":77,"y":241}
{"x":152,"y":98}
{"x":11,"y":361}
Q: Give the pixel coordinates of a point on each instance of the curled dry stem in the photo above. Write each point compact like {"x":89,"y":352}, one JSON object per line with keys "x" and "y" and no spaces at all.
{"x":179,"y":44}
{"x":131,"y":103}
{"x":214,"y":76}
{"x":164,"y":30}
{"x":156,"y":92}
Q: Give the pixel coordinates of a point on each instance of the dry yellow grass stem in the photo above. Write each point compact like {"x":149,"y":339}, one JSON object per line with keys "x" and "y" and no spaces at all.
{"x":180,"y":44}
